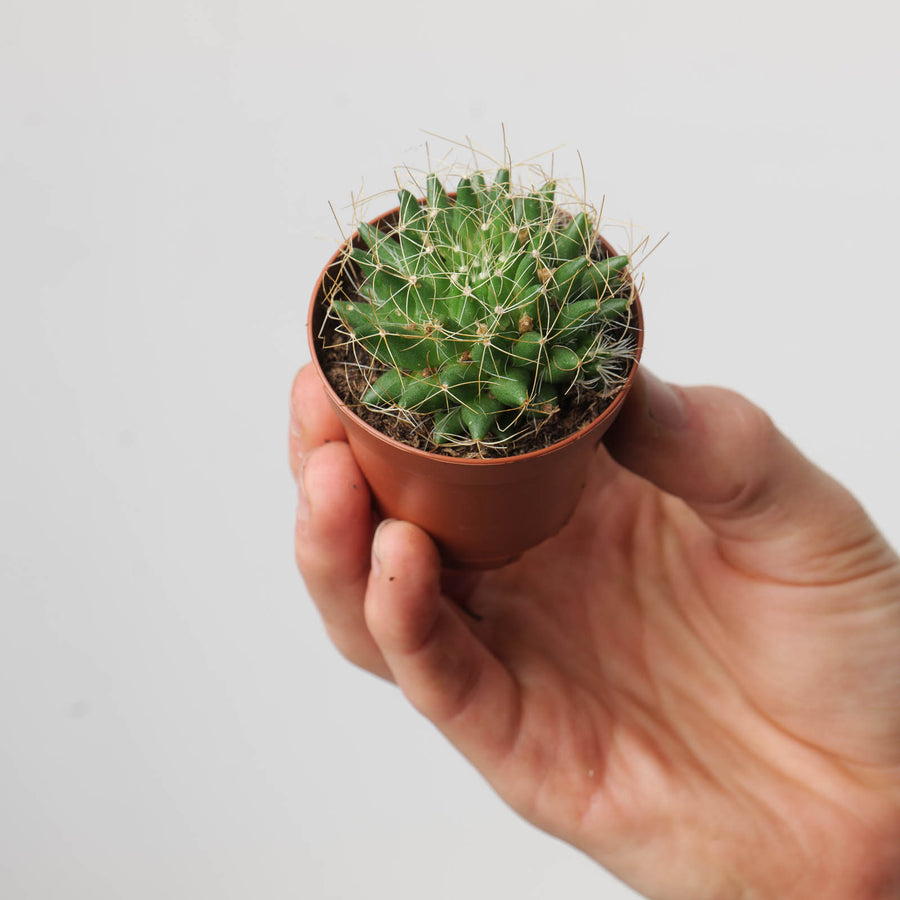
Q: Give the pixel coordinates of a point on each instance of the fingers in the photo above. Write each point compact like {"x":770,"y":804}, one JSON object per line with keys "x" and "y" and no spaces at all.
{"x":441,"y":666}
{"x":332,"y":544}
{"x":333,"y":531}
{"x":724,"y":457}
{"x":313,"y":421}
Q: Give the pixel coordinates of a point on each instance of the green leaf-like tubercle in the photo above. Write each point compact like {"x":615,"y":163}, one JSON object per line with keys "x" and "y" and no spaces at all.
{"x":479,"y":416}
{"x":510,"y":389}
{"x":385,"y":390}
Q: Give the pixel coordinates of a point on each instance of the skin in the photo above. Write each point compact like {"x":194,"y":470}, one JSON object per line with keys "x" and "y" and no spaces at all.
{"x":696,"y":682}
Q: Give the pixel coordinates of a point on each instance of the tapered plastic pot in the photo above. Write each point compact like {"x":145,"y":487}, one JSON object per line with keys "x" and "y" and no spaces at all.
{"x":482,"y":513}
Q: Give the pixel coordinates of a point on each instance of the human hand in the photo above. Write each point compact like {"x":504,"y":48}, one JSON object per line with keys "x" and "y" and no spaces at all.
{"x":696,"y":682}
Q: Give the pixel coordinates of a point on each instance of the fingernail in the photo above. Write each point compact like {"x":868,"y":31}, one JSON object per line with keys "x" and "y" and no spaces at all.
{"x":665,"y":402}
{"x":376,"y":557}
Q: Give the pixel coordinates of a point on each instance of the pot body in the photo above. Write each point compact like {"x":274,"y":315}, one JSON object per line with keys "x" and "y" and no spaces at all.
{"x":482,"y":513}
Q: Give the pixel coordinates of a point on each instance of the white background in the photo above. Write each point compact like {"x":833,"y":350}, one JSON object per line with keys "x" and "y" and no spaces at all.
{"x":173,"y":722}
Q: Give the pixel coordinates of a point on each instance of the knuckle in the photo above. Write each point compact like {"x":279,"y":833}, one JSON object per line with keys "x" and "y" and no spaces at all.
{"x":743,"y":445}
{"x":747,"y":425}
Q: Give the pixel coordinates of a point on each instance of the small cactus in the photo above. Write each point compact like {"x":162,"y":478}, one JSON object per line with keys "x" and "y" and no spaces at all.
{"x":480,"y":311}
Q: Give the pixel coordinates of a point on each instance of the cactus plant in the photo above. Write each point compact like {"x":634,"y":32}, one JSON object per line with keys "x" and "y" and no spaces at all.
{"x":479,"y":311}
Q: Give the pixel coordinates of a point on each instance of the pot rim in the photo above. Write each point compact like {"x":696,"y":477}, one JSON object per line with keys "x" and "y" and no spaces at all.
{"x":438,"y":458}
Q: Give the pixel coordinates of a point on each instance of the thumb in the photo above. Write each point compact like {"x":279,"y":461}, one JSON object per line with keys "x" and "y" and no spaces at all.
{"x":435,"y":657}
{"x":724,"y":457}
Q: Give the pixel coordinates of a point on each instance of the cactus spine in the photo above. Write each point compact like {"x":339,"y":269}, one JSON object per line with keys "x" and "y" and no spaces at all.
{"x":481,"y":311}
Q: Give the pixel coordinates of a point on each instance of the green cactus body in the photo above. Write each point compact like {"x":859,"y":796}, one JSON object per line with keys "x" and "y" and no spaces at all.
{"x":484,"y":309}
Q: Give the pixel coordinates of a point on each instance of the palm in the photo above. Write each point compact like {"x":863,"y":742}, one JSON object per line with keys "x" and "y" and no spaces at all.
{"x":701,"y":693}
{"x":659,"y":702}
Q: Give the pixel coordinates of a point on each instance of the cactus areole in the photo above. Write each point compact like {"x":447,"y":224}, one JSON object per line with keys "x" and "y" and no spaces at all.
{"x":468,"y":326}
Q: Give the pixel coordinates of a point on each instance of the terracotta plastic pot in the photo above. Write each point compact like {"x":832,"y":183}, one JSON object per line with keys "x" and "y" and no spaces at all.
{"x":482,"y":513}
